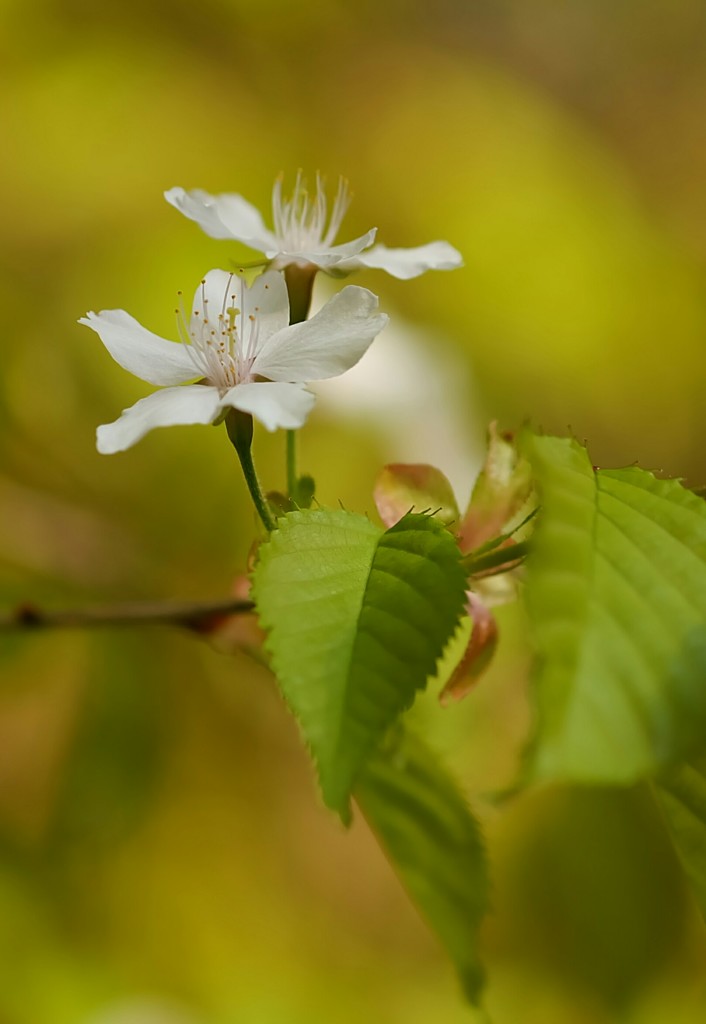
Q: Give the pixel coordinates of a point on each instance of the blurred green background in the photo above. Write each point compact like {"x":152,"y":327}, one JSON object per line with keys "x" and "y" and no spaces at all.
{"x":164,"y":858}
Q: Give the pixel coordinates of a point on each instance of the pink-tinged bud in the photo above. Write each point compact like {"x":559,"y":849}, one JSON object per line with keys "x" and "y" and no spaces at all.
{"x":502,"y":488}
{"x":399,"y":488}
{"x":478,"y":654}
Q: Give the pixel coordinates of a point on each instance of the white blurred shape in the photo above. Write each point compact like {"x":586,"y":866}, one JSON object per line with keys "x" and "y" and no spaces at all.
{"x":418,"y":394}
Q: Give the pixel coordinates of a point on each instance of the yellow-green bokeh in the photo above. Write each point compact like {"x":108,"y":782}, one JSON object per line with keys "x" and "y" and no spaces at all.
{"x":163,"y":854}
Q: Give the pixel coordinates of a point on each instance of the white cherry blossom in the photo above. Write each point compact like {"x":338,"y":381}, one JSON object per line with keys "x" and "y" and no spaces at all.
{"x":304,"y":232}
{"x":238,"y":351}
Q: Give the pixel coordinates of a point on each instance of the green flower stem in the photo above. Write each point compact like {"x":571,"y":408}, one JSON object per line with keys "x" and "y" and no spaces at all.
{"x":291,"y":463}
{"x":300,"y":284}
{"x":240,"y":430}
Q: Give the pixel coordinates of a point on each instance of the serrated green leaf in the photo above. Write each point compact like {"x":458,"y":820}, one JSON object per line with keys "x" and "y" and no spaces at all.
{"x":617,"y":598}
{"x":357,"y":620}
{"x":682,"y":795}
{"x":433,"y":842}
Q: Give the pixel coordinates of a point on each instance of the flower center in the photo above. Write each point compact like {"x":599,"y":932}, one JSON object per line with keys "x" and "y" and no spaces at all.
{"x":301,"y":221}
{"x":219,"y":352}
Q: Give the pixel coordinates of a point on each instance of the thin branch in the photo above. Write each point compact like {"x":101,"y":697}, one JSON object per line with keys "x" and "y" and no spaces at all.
{"x":200,"y":616}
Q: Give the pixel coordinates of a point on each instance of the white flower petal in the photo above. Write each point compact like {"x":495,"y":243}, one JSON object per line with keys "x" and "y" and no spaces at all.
{"x":243,"y":220}
{"x":267,"y":300}
{"x":353,"y":248}
{"x":218,"y":290}
{"x":406,"y":263}
{"x":198,"y":206}
{"x":273,"y":404}
{"x":137,"y":350}
{"x":264,"y":306}
{"x":330,"y":256}
{"x":194,"y":403}
{"x":223,"y":216}
{"x":328,"y":344}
